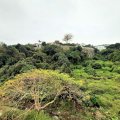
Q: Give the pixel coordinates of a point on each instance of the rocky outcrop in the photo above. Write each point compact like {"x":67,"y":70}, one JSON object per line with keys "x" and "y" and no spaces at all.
{"x":89,"y":51}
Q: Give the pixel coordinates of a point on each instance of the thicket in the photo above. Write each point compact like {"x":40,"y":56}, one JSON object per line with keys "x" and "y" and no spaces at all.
{"x":15,"y":59}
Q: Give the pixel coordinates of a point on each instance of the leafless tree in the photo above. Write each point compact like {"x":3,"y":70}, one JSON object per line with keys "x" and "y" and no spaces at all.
{"x":67,"y":37}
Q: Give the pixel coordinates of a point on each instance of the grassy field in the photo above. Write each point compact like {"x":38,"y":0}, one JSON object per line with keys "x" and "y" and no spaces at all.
{"x":104,"y":84}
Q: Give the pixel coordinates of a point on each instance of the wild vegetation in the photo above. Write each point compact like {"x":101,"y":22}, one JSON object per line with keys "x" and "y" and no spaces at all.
{"x":59,"y":82}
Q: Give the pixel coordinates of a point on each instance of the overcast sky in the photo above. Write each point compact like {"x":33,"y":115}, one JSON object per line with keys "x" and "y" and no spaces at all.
{"x":90,"y":21}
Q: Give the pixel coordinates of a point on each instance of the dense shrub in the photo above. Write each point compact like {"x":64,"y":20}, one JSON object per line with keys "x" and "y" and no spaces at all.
{"x":114,"y":46}
{"x":116,"y":69}
{"x":42,"y":65}
{"x":96,"y":66}
{"x":39,"y":57}
{"x":77,"y":48}
{"x":108,"y":64}
{"x":65,"y":68}
{"x":28,"y":50}
{"x":115,"y":56}
{"x":90,"y":71}
{"x":87,"y":63}
{"x":74,"y":57}
{"x":98,"y":57}
{"x":51,"y":49}
{"x":36,"y":86}
{"x":95,"y":101}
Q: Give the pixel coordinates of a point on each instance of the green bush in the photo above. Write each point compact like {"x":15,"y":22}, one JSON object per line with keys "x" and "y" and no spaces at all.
{"x":95,"y":101}
{"x":40,"y":56}
{"x":90,"y":71}
{"x":42,"y":65}
{"x":116,"y":69}
{"x":65,"y":68}
{"x":96,"y":66}
{"x":51,"y":49}
{"x":108,"y":64}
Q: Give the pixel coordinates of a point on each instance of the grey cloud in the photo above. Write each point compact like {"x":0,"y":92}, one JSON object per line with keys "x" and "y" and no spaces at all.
{"x":90,"y":21}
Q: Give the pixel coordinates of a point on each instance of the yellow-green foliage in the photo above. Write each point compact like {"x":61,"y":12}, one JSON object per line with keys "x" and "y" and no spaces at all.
{"x":35,"y":85}
{"x":50,"y":77}
{"x":105,"y":85}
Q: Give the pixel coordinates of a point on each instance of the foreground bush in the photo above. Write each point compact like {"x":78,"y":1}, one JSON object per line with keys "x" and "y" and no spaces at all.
{"x":40,"y":90}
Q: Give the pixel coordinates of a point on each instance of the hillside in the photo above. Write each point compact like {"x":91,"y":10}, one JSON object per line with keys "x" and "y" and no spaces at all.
{"x":59,"y":82}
